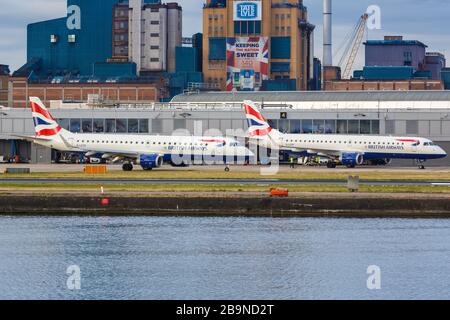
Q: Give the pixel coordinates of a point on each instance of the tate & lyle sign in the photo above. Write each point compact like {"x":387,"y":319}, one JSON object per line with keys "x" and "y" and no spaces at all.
{"x":247,"y":10}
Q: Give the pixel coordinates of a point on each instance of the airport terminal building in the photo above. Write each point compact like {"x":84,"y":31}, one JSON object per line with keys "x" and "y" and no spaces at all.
{"x":402,"y":113}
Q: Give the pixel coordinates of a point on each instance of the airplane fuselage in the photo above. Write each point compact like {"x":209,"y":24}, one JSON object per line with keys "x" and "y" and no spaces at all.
{"x":141,"y":144}
{"x":371,"y":147}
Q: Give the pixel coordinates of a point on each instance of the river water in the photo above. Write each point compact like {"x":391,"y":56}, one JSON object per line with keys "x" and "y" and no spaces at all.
{"x":223,"y":258}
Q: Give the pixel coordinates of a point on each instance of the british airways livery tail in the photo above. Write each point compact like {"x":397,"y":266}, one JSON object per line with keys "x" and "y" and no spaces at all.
{"x":257,"y":124}
{"x":45,"y":125}
{"x":258,"y":127}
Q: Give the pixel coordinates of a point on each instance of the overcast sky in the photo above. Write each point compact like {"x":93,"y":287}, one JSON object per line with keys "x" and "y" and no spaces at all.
{"x":424,"y":20}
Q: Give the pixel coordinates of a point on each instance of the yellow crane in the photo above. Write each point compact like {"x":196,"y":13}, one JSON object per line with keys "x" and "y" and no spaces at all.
{"x":352,"y":47}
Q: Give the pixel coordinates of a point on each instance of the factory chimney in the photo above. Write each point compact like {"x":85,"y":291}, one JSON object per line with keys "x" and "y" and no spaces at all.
{"x":327,"y":34}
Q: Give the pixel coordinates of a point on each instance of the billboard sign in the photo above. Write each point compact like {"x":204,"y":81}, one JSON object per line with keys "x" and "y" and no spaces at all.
{"x":247,"y":62}
{"x":247,"y":11}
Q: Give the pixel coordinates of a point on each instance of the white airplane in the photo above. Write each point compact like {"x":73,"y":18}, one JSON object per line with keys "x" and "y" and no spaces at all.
{"x":348,"y":150}
{"x":148,"y":151}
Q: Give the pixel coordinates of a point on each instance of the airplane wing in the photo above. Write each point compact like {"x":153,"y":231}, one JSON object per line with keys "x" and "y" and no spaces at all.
{"x":30,"y":138}
{"x":108,"y":153}
{"x":331,"y":153}
{"x":105,"y":151}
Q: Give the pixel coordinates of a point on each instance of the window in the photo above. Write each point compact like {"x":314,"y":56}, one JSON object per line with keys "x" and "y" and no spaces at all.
{"x":244,"y":27}
{"x":71,"y":38}
{"x":121,"y":125}
{"x":154,"y":22}
{"x":154,"y":59}
{"x":247,"y":27}
{"x":110,"y":126}
{"x":258,"y":27}
{"x":364,"y":127}
{"x":407,"y":58}
{"x":307,"y":126}
{"x":120,"y":37}
{"x":280,"y":47}
{"x":251,"y":27}
{"x":319,"y":126}
{"x":86,"y":125}
{"x":296,"y":126}
{"x":330,"y":126}
{"x":283,"y":125}
{"x":143,"y":126}
{"x":133,"y":126}
{"x":353,"y":126}
{"x":154,"y":35}
{"x":375,"y":127}
{"x":75,"y":125}
{"x":99,"y":125}
{"x":341,"y":127}
{"x":237,"y":27}
{"x":63,"y":123}
{"x":154,"y":47}
{"x":217,"y":49}
{"x":53,"y":38}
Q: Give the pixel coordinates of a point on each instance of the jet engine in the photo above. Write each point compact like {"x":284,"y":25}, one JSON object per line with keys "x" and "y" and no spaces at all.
{"x":352,"y":159}
{"x":150,"y":161}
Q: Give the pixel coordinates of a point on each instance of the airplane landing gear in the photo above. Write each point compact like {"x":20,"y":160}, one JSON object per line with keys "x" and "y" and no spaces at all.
{"x":421,"y":165}
{"x":331,"y":165}
{"x":127,"y":167}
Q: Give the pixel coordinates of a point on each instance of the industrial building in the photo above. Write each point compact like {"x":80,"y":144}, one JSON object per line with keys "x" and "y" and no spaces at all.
{"x":445,"y":75}
{"x":107,"y":93}
{"x":257,"y":45}
{"x":402,"y":59}
{"x":414,"y":113}
{"x":140,"y":32}
{"x":393,"y":64}
{"x":4,"y":80}
{"x":118,"y":50}
{"x":155,"y":30}
{"x":72,"y":45}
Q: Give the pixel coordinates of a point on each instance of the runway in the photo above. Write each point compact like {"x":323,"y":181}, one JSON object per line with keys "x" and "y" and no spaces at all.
{"x":258,"y":182}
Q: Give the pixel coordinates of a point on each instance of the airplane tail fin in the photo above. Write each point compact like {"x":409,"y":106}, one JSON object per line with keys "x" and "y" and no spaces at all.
{"x":45,"y":125}
{"x":258,"y":127}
